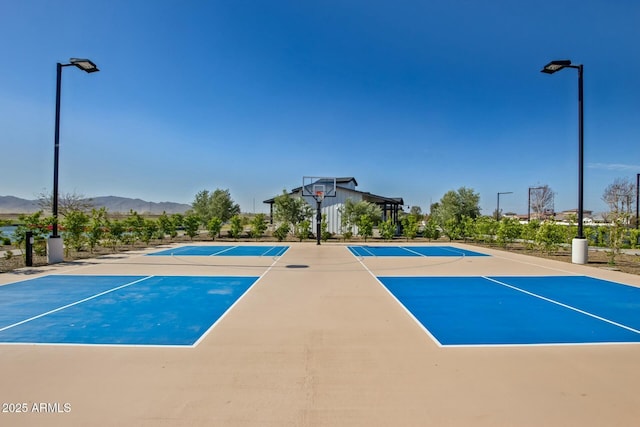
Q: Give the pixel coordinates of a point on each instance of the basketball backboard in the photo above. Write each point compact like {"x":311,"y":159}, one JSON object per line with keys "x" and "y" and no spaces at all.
{"x":319,"y":187}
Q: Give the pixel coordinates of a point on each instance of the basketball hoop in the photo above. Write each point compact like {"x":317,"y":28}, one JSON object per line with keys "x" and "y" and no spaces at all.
{"x":319,"y":196}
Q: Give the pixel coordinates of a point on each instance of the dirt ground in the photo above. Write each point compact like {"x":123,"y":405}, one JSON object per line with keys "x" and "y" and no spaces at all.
{"x":598,"y":257}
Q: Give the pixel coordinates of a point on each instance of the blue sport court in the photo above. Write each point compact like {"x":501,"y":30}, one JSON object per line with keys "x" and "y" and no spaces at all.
{"x":116,"y":310}
{"x":411,"y":251}
{"x":519,"y":310}
{"x":218,"y":250}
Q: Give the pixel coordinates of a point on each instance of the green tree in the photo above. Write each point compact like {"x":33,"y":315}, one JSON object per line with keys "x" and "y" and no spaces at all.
{"x":214,"y":226}
{"x":4,"y":240}
{"x":36,"y":224}
{"x":177,"y":220}
{"x":165,"y":226}
{"x":236,"y":226}
{"x":191,"y":224}
{"x":486,"y":229}
{"x":96,"y":228}
{"x":282,"y":231}
{"x":431,"y":230}
{"x":217,"y":204}
{"x":291,"y":210}
{"x":116,"y":230}
{"x":454,"y":205}
{"x":634,"y":236}
{"x":451,"y":228}
{"x":135,"y":227}
{"x":149,"y":229}
{"x":508,"y":231}
{"x":550,"y":236}
{"x":201,"y":205}
{"x":223,"y":206}
{"x":324,"y":228}
{"x":352,"y":213}
{"x":466,"y":227}
{"x":258,"y":226}
{"x":529,"y":233}
{"x":387,"y":229}
{"x":303,"y":228}
{"x":410,"y":226}
{"x":365,"y":226}
{"x":74,"y":226}
{"x":616,"y":236}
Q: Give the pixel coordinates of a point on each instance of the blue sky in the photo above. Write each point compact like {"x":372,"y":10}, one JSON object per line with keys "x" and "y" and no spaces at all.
{"x":412,"y":98}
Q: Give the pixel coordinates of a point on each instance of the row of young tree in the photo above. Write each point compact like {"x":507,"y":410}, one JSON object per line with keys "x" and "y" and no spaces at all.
{"x":455,"y":216}
{"x":86,"y":231}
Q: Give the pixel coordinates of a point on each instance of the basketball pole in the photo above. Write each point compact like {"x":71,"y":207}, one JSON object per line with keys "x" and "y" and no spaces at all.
{"x":318,"y":220}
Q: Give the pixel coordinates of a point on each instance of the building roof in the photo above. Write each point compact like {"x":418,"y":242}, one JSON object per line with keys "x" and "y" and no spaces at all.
{"x":373,"y":198}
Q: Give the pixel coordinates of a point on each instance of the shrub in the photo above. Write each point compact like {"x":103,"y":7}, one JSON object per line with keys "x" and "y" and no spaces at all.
{"x":281,"y":232}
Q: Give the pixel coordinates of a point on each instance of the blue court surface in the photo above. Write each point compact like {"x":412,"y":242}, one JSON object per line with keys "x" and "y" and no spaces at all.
{"x":116,"y":310}
{"x":520,"y":310}
{"x":411,"y":251}
{"x":216,"y":250}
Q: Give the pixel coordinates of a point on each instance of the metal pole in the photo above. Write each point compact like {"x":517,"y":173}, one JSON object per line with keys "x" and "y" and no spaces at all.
{"x":637,"y":198}
{"x":56,"y":150}
{"x":529,"y":207}
{"x":318,"y":221}
{"x":498,"y":209}
{"x":580,"y":153}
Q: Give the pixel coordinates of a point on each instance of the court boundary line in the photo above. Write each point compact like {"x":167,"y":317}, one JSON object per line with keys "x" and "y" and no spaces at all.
{"x":410,"y":251}
{"x":461,"y":253}
{"x":224,"y":250}
{"x":363,"y":248}
{"x":586,"y":313}
{"x":228,"y":310}
{"x":571,"y":273}
{"x":74,"y":303}
{"x":406,"y":310}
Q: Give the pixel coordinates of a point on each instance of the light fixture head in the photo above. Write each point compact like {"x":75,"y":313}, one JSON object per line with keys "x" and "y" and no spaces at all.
{"x":84,"y":64}
{"x":554,"y":66}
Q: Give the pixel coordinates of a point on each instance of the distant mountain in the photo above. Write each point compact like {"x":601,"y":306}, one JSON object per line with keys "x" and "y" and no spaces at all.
{"x":113,"y":204}
{"x":10,"y":204}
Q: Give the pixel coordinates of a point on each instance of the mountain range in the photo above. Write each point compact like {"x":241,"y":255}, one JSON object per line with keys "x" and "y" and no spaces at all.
{"x":113,"y":204}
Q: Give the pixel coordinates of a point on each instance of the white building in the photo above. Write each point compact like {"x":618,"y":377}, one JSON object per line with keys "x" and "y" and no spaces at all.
{"x":346,"y":189}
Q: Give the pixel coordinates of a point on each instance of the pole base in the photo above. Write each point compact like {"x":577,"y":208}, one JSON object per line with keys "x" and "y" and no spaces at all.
{"x":579,"y":251}
{"x":55,"y":250}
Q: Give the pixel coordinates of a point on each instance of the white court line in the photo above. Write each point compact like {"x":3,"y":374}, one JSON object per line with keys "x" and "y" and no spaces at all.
{"x":413,"y":252}
{"x":228,"y":310}
{"x":272,"y":248}
{"x":462,"y":254}
{"x":267,"y":251}
{"x":572,"y":273}
{"x":224,"y":250}
{"x":364,"y":249}
{"x":435,"y":340}
{"x":586,"y":313}
{"x":74,"y":303}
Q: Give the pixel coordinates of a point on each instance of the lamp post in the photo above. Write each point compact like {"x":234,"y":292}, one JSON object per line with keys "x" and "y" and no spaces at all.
{"x":55,"y":245}
{"x":579,"y":245}
{"x":637,"y":197}
{"x":498,"y":204}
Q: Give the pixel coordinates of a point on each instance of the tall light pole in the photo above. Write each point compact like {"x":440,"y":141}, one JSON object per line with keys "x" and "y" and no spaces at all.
{"x":55,"y":245}
{"x":498,"y":204}
{"x":637,"y":198}
{"x":579,"y":245}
